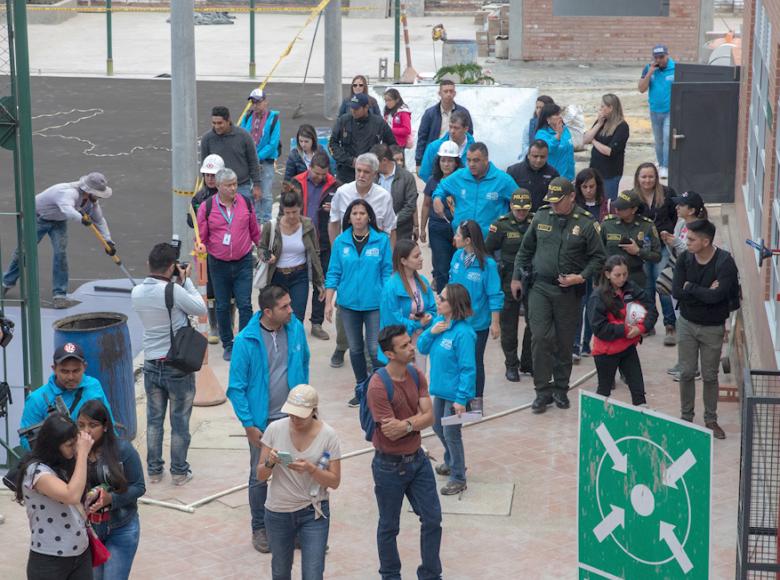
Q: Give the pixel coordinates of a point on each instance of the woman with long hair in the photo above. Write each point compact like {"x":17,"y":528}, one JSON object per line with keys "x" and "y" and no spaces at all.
{"x":609,"y":136}
{"x":398,"y":117}
{"x":553,"y":131}
{"x":533,"y":123}
{"x":306,"y":146}
{"x":50,"y":484}
{"x":658,"y":205}
{"x":360,"y":265}
{"x":115,"y":478}
{"x":358,"y":85}
{"x":407,"y":297}
{"x":617,"y":330}
{"x":439,"y":229}
{"x":473,"y":268}
{"x":450,"y":342}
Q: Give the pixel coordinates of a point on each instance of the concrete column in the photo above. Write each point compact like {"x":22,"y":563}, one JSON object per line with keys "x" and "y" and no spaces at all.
{"x":516,"y":30}
{"x":332,"y":93}
{"x":706,"y":23}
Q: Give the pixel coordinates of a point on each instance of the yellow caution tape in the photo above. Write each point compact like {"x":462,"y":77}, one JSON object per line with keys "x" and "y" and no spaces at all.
{"x":183,"y":192}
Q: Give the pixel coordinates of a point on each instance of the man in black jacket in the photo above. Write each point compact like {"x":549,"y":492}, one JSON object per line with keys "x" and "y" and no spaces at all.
{"x":402,"y":187}
{"x":356,"y":133}
{"x":534,"y":173}
{"x":436,"y":119}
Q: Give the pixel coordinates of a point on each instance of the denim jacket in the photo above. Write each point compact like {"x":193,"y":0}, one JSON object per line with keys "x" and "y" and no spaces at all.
{"x":124,"y":506}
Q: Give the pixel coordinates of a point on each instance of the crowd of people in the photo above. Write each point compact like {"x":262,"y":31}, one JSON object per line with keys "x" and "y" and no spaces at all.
{"x":569,"y":252}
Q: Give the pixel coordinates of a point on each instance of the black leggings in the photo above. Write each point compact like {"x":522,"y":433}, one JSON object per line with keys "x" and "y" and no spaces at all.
{"x":628,"y":363}
{"x":43,"y":567}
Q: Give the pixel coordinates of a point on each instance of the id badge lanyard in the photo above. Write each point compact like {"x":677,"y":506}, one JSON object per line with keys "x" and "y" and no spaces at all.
{"x":229,"y":220}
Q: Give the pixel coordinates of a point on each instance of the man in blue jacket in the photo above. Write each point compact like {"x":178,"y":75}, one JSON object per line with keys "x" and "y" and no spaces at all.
{"x":458,"y":134}
{"x":481,"y":191}
{"x":270,"y":357}
{"x":436,"y":119}
{"x":264,"y":127}
{"x":67,"y":381}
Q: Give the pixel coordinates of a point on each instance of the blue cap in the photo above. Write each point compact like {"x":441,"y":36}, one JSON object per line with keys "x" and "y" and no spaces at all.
{"x":660,"y":50}
{"x":358,"y":100}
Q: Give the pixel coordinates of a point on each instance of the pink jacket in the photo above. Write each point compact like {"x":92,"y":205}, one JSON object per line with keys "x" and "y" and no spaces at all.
{"x":401,"y":125}
{"x":243,"y":229}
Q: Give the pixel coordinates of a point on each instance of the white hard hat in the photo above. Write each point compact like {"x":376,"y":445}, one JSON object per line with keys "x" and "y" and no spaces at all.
{"x":449,"y":149}
{"x":212,"y":164}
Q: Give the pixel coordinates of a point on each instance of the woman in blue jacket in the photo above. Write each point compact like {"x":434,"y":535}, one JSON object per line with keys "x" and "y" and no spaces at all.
{"x":472,"y":267}
{"x":115,"y":480}
{"x":407,"y":298}
{"x":450,"y":342}
{"x":360,"y":264}
{"x":556,"y":134}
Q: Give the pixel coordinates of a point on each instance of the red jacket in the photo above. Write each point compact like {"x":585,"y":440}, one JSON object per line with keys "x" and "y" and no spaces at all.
{"x":328,"y":189}
{"x":609,"y":330}
{"x":401,"y":125}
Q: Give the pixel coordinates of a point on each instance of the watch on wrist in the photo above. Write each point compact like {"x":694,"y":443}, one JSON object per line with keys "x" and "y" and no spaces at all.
{"x":269,"y":465}
{"x":409,"y":427}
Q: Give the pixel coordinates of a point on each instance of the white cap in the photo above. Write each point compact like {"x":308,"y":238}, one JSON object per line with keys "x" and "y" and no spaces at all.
{"x":95,"y":184}
{"x":301,"y":401}
{"x":449,"y":149}
{"x":212,"y":164}
{"x":257,"y":95}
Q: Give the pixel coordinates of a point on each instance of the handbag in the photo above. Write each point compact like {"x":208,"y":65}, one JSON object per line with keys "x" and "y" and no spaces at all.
{"x":260,"y":279}
{"x":188,"y":346}
{"x":663,"y":284}
{"x":100,"y":553}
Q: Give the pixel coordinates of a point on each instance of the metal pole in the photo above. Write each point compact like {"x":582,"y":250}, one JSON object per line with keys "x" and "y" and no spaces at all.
{"x":109,"y":41}
{"x":184,"y":155}
{"x":23,"y":161}
{"x":252,"y":39}
{"x":332,"y":93}
{"x":397,"y":61}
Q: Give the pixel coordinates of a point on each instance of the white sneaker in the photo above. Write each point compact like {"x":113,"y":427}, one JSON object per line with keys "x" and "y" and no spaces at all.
{"x":663,"y":172}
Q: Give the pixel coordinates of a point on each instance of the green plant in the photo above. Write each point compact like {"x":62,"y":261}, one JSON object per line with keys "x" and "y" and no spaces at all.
{"x":469,"y":74}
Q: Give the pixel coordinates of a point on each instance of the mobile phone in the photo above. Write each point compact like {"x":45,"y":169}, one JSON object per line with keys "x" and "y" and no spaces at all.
{"x":285,"y":457}
{"x":625,"y":240}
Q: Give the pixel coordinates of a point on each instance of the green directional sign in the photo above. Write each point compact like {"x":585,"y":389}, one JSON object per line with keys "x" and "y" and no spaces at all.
{"x":643,"y":493}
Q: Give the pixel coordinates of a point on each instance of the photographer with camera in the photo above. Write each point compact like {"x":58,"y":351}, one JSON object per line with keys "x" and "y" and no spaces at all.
{"x":68,"y":382}
{"x":164,"y":383}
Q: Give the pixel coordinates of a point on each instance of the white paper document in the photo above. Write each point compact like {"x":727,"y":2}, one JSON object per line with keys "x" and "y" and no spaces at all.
{"x":467,"y":417}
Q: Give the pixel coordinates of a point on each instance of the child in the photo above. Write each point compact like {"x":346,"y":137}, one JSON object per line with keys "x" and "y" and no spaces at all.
{"x":615,"y":335}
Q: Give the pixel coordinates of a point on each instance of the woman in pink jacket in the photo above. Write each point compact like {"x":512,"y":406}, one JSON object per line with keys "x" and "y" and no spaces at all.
{"x":399,"y":117}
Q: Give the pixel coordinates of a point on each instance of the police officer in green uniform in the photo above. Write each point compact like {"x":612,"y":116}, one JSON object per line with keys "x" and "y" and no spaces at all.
{"x":506,"y":235}
{"x":632,"y":236}
{"x":561,"y":249}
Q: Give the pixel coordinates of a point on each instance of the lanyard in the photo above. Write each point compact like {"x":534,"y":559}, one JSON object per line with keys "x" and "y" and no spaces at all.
{"x":228,"y":218}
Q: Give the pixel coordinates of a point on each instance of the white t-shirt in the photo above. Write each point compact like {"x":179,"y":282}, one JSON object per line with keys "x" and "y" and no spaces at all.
{"x":378,"y":198}
{"x":293,"y":250}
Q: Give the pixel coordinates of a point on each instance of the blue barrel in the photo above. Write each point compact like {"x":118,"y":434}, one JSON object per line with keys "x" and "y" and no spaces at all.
{"x":105,"y":339}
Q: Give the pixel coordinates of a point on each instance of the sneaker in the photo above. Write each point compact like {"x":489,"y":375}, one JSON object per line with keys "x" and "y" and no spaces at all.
{"x":663,"y":172}
{"x":717,"y":432}
{"x":512,"y":374}
{"x":476,"y":404}
{"x":540,"y":404}
{"x":443,"y":469}
{"x":676,"y":376}
{"x":561,"y":399}
{"x":213,"y":337}
{"x":155,"y":477}
{"x":453,"y":488}
{"x":61,"y":302}
{"x":337,"y":359}
{"x":181,"y":478}
{"x":227,"y":354}
{"x":673,"y":370}
{"x":650,"y":332}
{"x":526,"y":371}
{"x":671,"y":336}
{"x":575,"y":358}
{"x":353,"y":402}
{"x":260,"y":541}
{"x":585,"y":352}
{"x":318,"y":332}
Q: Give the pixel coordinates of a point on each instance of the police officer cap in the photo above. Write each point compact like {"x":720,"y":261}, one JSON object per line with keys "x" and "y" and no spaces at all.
{"x":626,"y":200}
{"x":521,"y":199}
{"x":559,"y":188}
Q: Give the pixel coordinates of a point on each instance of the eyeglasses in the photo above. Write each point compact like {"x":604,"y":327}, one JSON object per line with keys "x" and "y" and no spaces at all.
{"x":358,"y":85}
{"x":441,"y":298}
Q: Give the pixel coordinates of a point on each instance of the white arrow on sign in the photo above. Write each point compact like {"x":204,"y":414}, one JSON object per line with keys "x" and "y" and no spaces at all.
{"x":667,"y":535}
{"x":615,"y":518}
{"x":619,"y":461}
{"x":678,"y":469}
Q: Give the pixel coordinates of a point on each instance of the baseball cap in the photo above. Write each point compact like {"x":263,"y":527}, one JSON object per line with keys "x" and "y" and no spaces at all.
{"x":358,"y":100}
{"x":521,"y":199}
{"x":559,"y":188}
{"x":449,"y":149}
{"x":212,"y":164}
{"x":68,"y":350}
{"x":660,"y":50}
{"x":626,"y":200}
{"x":95,"y":184}
{"x":257,"y":95}
{"x":691,"y":199}
{"x":301,"y":401}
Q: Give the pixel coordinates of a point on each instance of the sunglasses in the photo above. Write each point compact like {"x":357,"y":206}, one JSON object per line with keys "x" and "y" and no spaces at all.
{"x":358,"y":85}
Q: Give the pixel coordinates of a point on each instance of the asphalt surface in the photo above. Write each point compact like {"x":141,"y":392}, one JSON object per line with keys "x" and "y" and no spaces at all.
{"x":118,"y":115}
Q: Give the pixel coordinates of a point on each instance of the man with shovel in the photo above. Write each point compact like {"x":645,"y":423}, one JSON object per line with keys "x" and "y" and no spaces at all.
{"x":77,"y":201}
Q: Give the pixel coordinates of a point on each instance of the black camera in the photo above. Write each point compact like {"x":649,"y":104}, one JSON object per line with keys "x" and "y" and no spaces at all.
{"x":176,"y":245}
{"x":7,"y":328}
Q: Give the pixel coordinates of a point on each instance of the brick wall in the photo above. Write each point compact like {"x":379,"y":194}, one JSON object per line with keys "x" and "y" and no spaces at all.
{"x":598,"y":38}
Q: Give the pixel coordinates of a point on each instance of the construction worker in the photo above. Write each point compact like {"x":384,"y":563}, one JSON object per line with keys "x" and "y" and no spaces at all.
{"x":506,"y":235}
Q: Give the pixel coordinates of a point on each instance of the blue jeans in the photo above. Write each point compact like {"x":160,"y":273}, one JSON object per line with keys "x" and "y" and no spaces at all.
{"x":450,"y":437}
{"x":354,"y":322}
{"x":284,"y":527}
{"x":582,"y":341}
{"x":611,"y":186}
{"x":660,"y":123}
{"x":232,"y":280}
{"x":122,"y":543}
{"x":652,"y":271}
{"x":297,"y":284}
{"x":164,"y":384}
{"x":317,"y":306}
{"x":258,"y":490}
{"x":264,"y":205}
{"x":58,"y":232}
{"x":440,"y":239}
{"x":415,"y":480}
{"x":482,"y":338}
